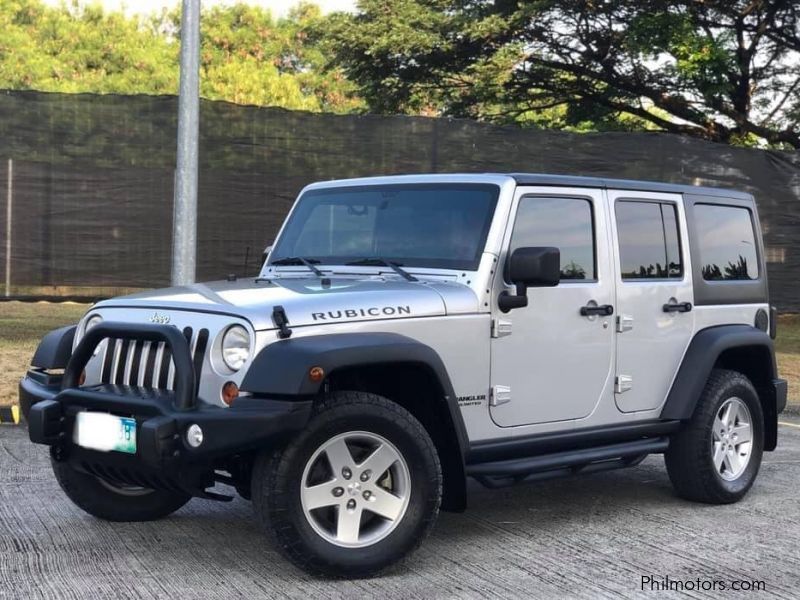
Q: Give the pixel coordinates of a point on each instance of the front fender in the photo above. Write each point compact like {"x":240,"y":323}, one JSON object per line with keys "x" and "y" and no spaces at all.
{"x":282,"y":368}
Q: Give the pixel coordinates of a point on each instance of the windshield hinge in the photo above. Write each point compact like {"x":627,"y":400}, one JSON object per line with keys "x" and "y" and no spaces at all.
{"x":281,"y":322}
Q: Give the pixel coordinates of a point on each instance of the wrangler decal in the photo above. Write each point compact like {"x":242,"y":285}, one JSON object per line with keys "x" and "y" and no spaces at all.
{"x":475,"y":400}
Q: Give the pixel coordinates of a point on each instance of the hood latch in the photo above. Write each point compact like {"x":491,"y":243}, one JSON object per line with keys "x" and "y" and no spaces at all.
{"x":281,"y":322}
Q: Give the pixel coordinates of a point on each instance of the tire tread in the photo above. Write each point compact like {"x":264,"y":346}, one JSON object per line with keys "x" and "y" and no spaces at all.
{"x":688,"y":467}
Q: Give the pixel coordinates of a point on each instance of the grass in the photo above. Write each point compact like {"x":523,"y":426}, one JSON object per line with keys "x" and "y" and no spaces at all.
{"x":787,"y":351}
{"x":22,"y":325}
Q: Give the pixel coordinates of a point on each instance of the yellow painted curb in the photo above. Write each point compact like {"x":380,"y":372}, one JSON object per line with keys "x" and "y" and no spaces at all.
{"x":9,"y":415}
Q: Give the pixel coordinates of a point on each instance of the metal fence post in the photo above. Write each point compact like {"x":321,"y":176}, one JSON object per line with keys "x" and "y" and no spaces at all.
{"x":184,"y":225}
{"x":9,"y":204}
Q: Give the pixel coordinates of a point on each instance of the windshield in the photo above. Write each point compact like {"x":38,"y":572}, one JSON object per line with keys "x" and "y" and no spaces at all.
{"x":430,"y":225}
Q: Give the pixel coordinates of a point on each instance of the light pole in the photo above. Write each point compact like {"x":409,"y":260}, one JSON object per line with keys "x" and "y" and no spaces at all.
{"x":184,"y":219}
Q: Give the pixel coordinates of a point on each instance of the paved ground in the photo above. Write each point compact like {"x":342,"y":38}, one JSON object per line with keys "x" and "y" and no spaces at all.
{"x":590,"y":537}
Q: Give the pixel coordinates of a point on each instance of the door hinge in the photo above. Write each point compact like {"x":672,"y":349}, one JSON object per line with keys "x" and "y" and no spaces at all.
{"x":624,"y":323}
{"x":623,"y":383}
{"x":500,"y":328}
{"x":499,"y":394}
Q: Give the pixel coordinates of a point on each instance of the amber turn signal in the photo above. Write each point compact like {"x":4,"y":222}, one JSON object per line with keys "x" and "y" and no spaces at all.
{"x":230,"y":392}
{"x":316,"y":374}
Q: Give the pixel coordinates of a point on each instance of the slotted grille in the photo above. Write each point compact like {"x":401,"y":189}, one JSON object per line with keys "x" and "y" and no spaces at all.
{"x":149,"y":364}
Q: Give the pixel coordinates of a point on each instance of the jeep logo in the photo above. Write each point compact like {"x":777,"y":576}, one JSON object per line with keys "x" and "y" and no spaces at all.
{"x":159,"y":319}
{"x":352,"y":313}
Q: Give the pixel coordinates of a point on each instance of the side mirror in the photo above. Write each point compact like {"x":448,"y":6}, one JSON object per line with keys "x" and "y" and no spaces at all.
{"x":538,"y":266}
{"x":265,"y":255}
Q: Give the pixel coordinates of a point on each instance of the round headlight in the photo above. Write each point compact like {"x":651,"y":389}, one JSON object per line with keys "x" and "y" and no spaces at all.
{"x":235,"y":347}
{"x":91,"y":322}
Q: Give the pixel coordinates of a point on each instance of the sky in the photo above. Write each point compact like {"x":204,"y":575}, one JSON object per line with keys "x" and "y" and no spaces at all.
{"x":278,"y":7}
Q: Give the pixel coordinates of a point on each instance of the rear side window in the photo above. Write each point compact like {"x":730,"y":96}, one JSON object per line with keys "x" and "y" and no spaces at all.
{"x":565,"y":223}
{"x":727,"y":242}
{"x":649,"y":244}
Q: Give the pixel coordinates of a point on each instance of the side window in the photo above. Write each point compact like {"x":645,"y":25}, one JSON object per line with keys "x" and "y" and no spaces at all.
{"x":649,"y":244}
{"x":727,"y":242}
{"x":565,"y":223}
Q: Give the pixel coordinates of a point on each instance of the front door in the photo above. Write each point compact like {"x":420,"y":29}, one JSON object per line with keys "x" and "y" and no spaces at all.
{"x":654,"y":296}
{"x":556,"y":364}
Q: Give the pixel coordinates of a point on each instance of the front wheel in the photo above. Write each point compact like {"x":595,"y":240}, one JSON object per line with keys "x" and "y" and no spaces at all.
{"x":716,"y":456}
{"x":115,"y":501}
{"x":355,"y":492}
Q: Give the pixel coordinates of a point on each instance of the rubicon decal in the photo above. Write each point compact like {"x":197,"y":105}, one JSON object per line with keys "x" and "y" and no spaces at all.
{"x":352,"y":313}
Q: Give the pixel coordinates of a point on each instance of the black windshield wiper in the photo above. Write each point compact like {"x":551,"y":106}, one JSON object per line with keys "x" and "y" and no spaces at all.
{"x":299,"y":260}
{"x":377,"y":261}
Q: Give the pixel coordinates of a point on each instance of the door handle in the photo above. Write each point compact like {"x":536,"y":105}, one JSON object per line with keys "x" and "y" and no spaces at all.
{"x":671,"y":307}
{"x":604,"y":310}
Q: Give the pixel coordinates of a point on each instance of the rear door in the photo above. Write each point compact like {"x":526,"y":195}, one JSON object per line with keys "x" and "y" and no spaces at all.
{"x":654,"y":295}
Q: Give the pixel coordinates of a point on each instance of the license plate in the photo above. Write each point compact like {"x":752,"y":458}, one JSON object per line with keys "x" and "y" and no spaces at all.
{"x":104,"y":432}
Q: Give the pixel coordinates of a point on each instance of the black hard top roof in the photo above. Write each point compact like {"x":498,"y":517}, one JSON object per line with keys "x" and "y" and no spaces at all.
{"x":626,"y":184}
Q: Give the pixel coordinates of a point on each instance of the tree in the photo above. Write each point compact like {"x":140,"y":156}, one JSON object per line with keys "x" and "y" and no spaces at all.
{"x":723,"y":70}
{"x":82,"y":50}
{"x":247,"y":56}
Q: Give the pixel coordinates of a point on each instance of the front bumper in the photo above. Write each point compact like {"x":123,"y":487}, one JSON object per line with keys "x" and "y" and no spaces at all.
{"x":250,"y":424}
{"x":163,"y":457}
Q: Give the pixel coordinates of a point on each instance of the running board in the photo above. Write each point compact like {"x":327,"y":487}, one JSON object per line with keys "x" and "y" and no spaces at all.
{"x":570,"y":462}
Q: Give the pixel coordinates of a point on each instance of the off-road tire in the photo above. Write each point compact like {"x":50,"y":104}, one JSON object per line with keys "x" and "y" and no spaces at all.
{"x":689,"y":456}
{"x":99,"y":500}
{"x":277,"y":477}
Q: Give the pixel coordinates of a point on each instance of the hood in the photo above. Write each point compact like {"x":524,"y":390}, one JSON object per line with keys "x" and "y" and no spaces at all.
{"x":307,"y":302}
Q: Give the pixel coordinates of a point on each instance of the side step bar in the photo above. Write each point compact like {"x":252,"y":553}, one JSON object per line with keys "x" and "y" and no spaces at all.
{"x":570,"y":462}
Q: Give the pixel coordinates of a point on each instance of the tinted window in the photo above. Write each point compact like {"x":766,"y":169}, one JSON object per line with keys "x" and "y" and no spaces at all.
{"x":649,"y":246}
{"x":726,"y":241}
{"x":565,"y":223}
{"x":437,"y":225}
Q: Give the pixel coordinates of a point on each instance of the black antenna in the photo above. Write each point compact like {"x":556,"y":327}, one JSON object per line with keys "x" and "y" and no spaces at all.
{"x":246,"y":260}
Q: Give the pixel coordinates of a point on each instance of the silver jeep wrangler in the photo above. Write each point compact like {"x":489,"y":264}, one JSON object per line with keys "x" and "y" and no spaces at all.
{"x":407,"y":332}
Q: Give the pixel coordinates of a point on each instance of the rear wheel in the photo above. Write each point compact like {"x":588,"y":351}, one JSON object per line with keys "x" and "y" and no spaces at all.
{"x":715,"y":458}
{"x":355,"y":492}
{"x":113,"y":501}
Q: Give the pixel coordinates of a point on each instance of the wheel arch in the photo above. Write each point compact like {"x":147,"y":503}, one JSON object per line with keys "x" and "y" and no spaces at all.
{"x":739,"y":348}
{"x":394,"y":366}
{"x":55,"y":348}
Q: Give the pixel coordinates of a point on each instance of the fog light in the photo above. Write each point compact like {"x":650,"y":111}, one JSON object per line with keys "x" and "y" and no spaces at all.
{"x":230,"y":392}
{"x":194,"y":436}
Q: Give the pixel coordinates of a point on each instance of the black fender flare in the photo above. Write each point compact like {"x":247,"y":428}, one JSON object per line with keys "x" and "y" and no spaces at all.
{"x":55,"y":349}
{"x":282,"y":368}
{"x":703,"y":354}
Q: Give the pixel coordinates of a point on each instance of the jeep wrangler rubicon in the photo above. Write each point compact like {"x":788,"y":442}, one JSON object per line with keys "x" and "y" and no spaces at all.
{"x":408,"y":332}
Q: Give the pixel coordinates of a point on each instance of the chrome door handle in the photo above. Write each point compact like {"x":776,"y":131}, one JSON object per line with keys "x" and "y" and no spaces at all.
{"x":671,"y":307}
{"x":604,"y":310}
